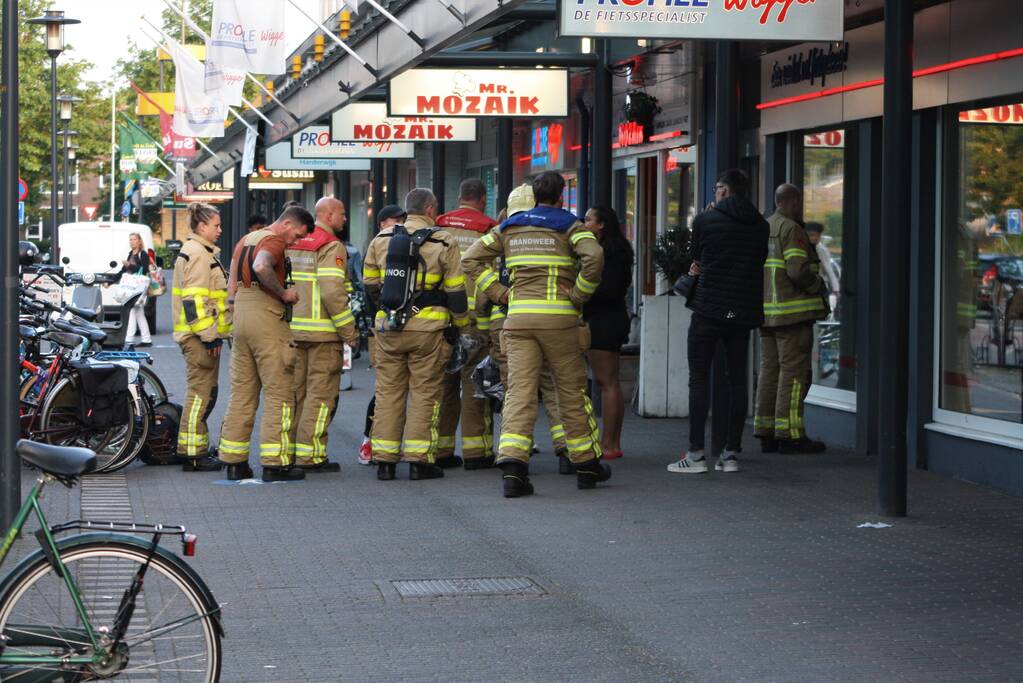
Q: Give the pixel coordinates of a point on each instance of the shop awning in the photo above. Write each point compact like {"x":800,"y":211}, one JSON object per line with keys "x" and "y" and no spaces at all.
{"x":340,"y":78}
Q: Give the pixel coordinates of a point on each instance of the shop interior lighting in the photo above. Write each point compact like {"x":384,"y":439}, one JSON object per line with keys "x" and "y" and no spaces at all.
{"x":919,"y":73}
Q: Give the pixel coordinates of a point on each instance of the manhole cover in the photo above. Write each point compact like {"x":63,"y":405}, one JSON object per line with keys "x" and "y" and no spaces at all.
{"x":435,"y":588}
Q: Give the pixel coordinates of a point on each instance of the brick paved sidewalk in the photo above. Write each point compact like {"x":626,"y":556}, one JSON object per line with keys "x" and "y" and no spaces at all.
{"x":757,"y":576}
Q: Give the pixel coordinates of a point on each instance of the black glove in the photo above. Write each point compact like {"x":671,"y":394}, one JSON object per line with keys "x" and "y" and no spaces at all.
{"x":213,"y":345}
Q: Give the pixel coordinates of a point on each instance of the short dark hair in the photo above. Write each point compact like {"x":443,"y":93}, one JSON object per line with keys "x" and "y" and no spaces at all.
{"x":299,"y":215}
{"x":419,"y":200}
{"x":814,"y":226}
{"x":472,"y":190}
{"x":737,"y":182}
{"x":256,"y":219}
{"x":547,"y":187}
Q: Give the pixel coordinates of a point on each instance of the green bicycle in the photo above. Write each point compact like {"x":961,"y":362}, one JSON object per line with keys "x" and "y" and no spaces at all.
{"x":102,"y":605}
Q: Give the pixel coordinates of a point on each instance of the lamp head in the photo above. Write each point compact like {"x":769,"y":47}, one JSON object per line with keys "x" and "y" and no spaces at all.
{"x":54,"y":21}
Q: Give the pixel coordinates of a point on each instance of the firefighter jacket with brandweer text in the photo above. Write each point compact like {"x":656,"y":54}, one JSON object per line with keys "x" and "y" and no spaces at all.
{"x":439,"y":270}
{"x":318,"y":265}
{"x":554,"y":263}
{"x":793,"y":289}
{"x":199,"y":293}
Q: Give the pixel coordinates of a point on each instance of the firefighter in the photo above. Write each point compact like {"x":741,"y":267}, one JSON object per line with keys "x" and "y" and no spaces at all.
{"x":466,"y":224}
{"x":413,"y":277}
{"x":201,"y":323}
{"x":490,"y":319}
{"x":555,"y":266}
{"x":321,"y":323}
{"x":263,"y":355}
{"x":794,"y":299}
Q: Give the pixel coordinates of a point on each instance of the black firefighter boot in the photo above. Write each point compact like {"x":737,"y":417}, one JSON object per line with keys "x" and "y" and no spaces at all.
{"x":424,"y":470}
{"x":290,"y":473}
{"x":590,"y":472}
{"x":516,"y":479}
{"x":203,"y":463}
{"x":386,"y":470}
{"x":565,"y":465}
{"x":236,"y":471}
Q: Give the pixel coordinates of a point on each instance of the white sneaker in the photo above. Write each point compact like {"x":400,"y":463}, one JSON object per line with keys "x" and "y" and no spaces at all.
{"x":366,"y":453}
{"x":727,"y":463}
{"x":692,"y":463}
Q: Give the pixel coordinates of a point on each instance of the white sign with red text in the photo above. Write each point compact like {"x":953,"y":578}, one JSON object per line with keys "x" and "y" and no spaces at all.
{"x":819,"y":20}
{"x":1008,"y":114}
{"x":369,"y":122}
{"x":314,"y":143}
{"x":831,"y":139}
{"x":481,"y":93}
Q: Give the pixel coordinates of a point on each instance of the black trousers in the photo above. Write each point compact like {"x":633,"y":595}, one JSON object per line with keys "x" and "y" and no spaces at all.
{"x":704,"y":336}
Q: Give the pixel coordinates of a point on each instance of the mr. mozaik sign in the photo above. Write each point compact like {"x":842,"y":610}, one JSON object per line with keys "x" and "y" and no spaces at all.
{"x":369,"y":122}
{"x":314,"y":143}
{"x":804,"y":20}
{"x":479,"y":93}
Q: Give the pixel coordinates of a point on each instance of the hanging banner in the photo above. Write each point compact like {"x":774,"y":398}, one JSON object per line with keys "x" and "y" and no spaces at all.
{"x":196,"y":113}
{"x":138,"y":153}
{"x":278,"y":158}
{"x":226,"y":83}
{"x":802,"y":20}
{"x":249,"y":154}
{"x":248,"y":35}
{"x":369,"y":122}
{"x":175,"y":147}
{"x":314,"y":143}
{"x":480,"y":93}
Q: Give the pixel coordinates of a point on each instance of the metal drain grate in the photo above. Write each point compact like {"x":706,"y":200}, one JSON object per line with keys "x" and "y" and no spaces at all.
{"x":438,"y":588}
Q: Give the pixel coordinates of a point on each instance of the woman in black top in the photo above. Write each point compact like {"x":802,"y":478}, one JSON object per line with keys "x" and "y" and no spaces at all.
{"x":608,"y":318}
{"x":137,"y":263}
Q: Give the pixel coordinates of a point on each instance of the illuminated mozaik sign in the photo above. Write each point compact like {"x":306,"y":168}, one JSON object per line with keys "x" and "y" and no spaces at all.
{"x":809,"y":20}
{"x":480,"y":93}
{"x":369,"y":122}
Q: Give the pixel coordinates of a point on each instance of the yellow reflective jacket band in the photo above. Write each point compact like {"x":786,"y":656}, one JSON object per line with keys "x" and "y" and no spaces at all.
{"x":531,"y":260}
{"x":794,"y":306}
{"x":488,"y":239}
{"x":542,"y":307}
{"x":584,"y":285}
{"x":487,"y":278}
{"x":455,"y":282}
{"x":330,"y":272}
{"x":795,"y":252}
{"x":582,"y":235}
{"x":342,"y":319}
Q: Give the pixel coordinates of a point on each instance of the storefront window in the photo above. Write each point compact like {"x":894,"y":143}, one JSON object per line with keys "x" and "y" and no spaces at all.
{"x":982,"y":267}
{"x":681,"y":185}
{"x":834,"y":360}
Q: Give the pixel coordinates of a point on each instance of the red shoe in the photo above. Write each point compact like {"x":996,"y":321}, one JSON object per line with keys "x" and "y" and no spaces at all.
{"x":365,"y":453}
{"x":612,"y":455}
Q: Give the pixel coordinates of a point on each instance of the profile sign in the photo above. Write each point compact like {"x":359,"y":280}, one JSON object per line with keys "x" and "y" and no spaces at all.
{"x":369,"y":122}
{"x":314,"y":142}
{"x":788,"y":20}
{"x":479,"y":93}
{"x":278,"y":158}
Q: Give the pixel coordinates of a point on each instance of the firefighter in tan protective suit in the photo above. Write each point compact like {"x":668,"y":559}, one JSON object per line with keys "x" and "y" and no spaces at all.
{"x":555,"y":266}
{"x":263,"y":355}
{"x":201,"y":323}
{"x":321,"y":323}
{"x":467,"y":224}
{"x":794,"y":299}
{"x":490,"y":319}
{"x":413,"y":277}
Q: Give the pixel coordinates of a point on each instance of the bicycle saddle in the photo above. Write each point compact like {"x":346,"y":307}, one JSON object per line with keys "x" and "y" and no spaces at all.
{"x":63,"y":461}
{"x":84,"y":313}
{"x":65,"y":339}
{"x":93,"y":334}
{"x":27,"y":332}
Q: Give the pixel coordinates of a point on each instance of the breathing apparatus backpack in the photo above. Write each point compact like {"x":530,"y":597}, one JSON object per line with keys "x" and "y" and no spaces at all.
{"x":398,"y":297}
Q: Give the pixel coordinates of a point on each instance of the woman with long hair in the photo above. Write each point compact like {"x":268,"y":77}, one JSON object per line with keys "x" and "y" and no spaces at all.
{"x":608,"y":317}
{"x":137,"y":263}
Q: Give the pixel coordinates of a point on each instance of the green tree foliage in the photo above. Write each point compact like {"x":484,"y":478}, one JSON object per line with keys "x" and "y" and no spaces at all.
{"x":992,"y":173}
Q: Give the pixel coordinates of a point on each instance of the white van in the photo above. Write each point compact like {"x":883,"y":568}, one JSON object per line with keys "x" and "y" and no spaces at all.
{"x":90,"y":246}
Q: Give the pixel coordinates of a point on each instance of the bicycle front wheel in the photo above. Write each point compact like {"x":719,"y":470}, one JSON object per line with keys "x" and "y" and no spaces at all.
{"x":171,"y":635}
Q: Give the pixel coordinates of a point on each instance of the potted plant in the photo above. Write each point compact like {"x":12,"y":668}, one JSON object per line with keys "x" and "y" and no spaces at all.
{"x":641,"y":108}
{"x":671,"y":253}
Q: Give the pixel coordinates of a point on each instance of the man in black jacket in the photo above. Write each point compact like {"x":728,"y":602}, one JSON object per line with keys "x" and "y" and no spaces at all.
{"x":728,"y":247}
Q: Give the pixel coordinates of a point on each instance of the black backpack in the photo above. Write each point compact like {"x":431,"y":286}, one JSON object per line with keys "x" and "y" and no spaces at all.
{"x":161,"y":447}
{"x":398,"y":296}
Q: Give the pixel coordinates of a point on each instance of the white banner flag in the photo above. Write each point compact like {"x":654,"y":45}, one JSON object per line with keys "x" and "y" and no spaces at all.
{"x":196,"y":113}
{"x":249,"y":156}
{"x":228,"y":84}
{"x":248,"y":35}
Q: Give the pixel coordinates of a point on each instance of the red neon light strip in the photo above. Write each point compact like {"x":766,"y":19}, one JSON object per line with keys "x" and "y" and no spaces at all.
{"x":919,"y":73}
{"x":666,"y":136}
{"x":522,"y":160}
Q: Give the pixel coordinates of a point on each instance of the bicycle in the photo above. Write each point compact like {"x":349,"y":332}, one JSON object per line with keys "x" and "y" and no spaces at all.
{"x":64,"y":613}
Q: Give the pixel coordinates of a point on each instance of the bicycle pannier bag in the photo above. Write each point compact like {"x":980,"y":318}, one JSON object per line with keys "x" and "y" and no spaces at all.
{"x":103,"y":394}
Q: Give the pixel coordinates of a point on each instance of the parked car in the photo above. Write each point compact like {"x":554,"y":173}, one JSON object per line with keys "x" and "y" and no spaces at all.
{"x":997,"y":272}
{"x":89,"y":247}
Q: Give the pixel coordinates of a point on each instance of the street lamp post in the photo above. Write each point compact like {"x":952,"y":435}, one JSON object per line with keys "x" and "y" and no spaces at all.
{"x":54,"y":21}
{"x":66,"y":104}
{"x":69,"y":138}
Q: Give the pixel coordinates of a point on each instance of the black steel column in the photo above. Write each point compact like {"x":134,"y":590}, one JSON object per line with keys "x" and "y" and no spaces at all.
{"x":10,"y":466}
{"x":66,"y":189}
{"x":391,"y":196}
{"x":893,"y":398}
{"x":239,"y":210}
{"x":726,"y":155}
{"x":437,"y":158}
{"x":504,"y":162}
{"x":53,"y":159}
{"x":343,"y":188}
{"x":377,"y":184}
{"x":603,"y":104}
{"x":583,"y":181}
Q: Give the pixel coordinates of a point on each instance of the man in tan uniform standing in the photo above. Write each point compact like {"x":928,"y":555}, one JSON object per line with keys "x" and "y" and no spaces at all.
{"x":410,"y":347}
{"x":321,"y":323}
{"x":542,"y":247}
{"x":793,"y":301}
{"x":467,"y":224}
{"x":263,"y":355}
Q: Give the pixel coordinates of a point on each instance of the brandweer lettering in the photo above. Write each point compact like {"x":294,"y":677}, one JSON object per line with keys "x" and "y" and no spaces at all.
{"x":501,"y":102}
